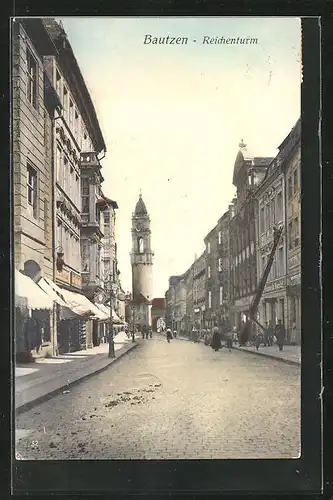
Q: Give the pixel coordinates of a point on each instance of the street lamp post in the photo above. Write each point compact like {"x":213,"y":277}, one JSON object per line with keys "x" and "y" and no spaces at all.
{"x":111,"y":341}
{"x":133,"y":325}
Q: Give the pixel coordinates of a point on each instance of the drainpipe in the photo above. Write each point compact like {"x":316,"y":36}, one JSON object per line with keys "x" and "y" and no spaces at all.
{"x":286,"y":238}
{"x":54,"y":215}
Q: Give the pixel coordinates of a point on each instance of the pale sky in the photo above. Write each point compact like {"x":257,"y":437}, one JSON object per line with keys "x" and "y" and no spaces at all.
{"x":172,"y":117}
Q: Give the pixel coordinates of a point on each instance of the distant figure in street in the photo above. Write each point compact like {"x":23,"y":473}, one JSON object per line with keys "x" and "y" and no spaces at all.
{"x":269,"y":334}
{"x":168,"y":335}
{"x":175,"y":334}
{"x":280,"y":333}
{"x":216,"y":339}
{"x":259,"y":340}
{"x":150,"y":332}
{"x":229,"y":338}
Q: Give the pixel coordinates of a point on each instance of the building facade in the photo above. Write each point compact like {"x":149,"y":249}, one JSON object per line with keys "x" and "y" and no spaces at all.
{"x":35,"y":105}
{"x":290,"y":151}
{"x":249,"y":172}
{"x":57,"y":144}
{"x":199,"y":291}
{"x":270,"y":213}
{"x":142,"y":264}
{"x":223,"y":266}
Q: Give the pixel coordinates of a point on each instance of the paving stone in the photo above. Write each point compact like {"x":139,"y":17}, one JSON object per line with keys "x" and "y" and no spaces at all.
{"x":206,"y":405}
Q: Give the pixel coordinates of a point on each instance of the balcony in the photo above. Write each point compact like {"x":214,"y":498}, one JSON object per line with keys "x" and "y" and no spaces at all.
{"x":89,"y":160}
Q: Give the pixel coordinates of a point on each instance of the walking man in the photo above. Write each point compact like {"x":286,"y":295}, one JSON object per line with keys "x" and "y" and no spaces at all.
{"x":229,"y":337}
{"x":280,"y":333}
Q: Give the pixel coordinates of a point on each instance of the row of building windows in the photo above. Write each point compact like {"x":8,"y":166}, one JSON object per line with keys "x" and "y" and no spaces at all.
{"x":67,"y":177}
{"x":271,"y":213}
{"x":32,"y":78}
{"x":71,"y":114}
{"x":278,"y":268}
{"x":293,"y":183}
{"x":293,"y":230}
{"x":219,"y":266}
{"x":70,"y":244}
{"x":221,"y":297}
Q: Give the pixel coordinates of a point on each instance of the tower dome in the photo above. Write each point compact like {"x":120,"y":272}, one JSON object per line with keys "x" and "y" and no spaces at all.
{"x":140,"y":207}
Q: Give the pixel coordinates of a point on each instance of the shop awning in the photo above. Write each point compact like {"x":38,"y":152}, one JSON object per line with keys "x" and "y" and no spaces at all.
{"x":81,"y":305}
{"x":53,"y":291}
{"x":28,"y":294}
{"x":106,"y":310}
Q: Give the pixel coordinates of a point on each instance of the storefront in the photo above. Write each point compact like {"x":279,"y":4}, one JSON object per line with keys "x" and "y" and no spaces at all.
{"x":33,"y":318}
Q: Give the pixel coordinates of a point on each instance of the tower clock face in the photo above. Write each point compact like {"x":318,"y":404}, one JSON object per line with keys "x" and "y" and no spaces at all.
{"x":138,"y":227}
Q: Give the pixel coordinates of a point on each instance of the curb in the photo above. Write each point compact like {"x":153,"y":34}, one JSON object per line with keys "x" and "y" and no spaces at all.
{"x":288,"y":361}
{"x":45,"y":397}
{"x":283,"y":360}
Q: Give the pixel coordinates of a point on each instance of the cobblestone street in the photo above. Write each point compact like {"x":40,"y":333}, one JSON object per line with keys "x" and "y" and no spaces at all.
{"x":171,"y":401}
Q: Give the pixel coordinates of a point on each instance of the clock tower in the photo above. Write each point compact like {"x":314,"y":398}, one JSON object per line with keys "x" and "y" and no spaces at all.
{"x":142,"y":264}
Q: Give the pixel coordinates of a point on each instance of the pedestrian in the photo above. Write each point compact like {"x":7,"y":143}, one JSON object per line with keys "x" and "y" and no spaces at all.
{"x":175,"y":334}
{"x":229,"y":337}
{"x":259,"y":340}
{"x":150,"y":332}
{"x":216,"y":339}
{"x":168,"y":335}
{"x":280,"y":333}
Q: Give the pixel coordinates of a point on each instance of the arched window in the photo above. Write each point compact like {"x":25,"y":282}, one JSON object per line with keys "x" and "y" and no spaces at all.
{"x":140,"y":245}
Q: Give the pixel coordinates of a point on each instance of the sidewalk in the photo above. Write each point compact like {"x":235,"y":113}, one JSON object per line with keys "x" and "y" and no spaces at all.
{"x":290,"y":354}
{"x":36,"y":382}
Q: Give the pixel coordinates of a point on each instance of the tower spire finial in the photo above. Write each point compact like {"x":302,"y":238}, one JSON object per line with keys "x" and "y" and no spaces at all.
{"x":140,"y":193}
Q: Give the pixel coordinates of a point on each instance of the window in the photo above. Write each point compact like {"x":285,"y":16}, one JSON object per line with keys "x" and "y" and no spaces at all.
{"x":209,"y":272}
{"x":106,"y":229}
{"x":280,"y":262}
{"x":140,"y":245}
{"x":208,"y":247}
{"x":32,"y":189}
{"x":262,"y":220}
{"x":66,"y":174}
{"x":220,"y":237}
{"x":209,"y":299}
{"x":220,"y":265}
{"x":76,"y":124}
{"x":58,"y":83}
{"x":46,"y":219}
{"x":31,"y":79}
{"x":268,"y":216}
{"x":85,"y":195}
{"x":65,"y":102}
{"x":290,"y":232}
{"x":296,"y":232}
{"x":295,"y":180}
{"x":279,"y":207}
{"x":221,"y":295}
{"x":58,"y":242}
{"x":71,"y":114}
{"x":290,"y":187}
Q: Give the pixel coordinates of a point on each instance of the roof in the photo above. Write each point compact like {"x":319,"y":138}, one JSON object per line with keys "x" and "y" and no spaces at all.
{"x":55,"y":42}
{"x":141,"y":299}
{"x":140,"y":207}
{"x":106,"y":201}
{"x":158,"y":303}
{"x":245,"y":158}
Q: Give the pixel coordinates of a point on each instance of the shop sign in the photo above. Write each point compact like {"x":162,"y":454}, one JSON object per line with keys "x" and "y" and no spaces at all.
{"x":75,"y":279}
{"x":295,"y":260}
{"x":64,"y":276}
{"x":275,"y":285}
{"x":243,"y":302}
{"x":295,"y":280}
